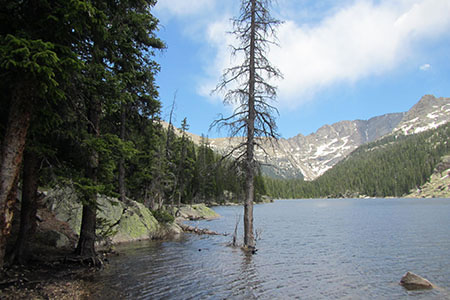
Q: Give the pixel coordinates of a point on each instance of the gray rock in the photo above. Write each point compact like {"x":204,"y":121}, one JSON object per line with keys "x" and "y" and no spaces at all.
{"x":413,"y":281}
{"x":53,"y":238}
{"x":117,"y":222}
{"x":266,"y":199}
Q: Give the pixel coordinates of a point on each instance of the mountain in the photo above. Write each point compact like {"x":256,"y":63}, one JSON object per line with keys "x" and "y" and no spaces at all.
{"x":312,"y":155}
{"x":439,"y":184}
{"x":388,"y":167}
{"x":430,"y":112}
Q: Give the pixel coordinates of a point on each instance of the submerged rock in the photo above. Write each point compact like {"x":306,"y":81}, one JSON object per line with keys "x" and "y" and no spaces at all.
{"x":413,"y":281}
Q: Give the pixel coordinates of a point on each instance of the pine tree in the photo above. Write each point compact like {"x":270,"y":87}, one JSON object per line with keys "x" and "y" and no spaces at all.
{"x":35,"y":58}
{"x":124,"y":41}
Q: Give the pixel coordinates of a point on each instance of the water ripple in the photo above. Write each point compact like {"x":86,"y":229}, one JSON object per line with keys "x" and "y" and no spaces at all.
{"x":309,"y":249}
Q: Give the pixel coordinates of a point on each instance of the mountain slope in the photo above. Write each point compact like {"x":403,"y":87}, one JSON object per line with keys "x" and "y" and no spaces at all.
{"x":391,"y":166}
{"x":318,"y":152}
{"x":430,"y":112}
{"x":311,"y":156}
{"x":439,"y":184}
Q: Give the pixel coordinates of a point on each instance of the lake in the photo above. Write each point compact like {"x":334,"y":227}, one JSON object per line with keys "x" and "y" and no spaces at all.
{"x":307,"y":249}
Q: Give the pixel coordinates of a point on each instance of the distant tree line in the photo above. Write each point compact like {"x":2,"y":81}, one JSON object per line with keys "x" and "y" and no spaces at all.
{"x":391,"y":166}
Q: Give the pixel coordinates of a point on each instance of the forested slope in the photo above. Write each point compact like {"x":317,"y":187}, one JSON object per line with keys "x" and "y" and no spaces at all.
{"x":391,"y":166}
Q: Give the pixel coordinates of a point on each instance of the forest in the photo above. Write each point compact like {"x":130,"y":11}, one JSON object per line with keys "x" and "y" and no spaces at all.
{"x":391,"y":166}
{"x":80,"y":113}
{"x":80,"y":107}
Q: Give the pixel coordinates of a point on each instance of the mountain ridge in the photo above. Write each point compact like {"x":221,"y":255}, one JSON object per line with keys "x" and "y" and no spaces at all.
{"x":312,"y":155}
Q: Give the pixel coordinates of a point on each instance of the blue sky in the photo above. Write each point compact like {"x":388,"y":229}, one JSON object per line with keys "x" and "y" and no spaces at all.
{"x":341,"y":60}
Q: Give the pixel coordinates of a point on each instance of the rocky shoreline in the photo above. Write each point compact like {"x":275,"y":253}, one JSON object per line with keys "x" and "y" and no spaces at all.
{"x":117,"y":222}
{"x":54,"y":273}
{"x":49,"y":280}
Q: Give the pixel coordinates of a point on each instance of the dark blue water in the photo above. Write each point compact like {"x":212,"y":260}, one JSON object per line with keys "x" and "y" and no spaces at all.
{"x":308,"y":249}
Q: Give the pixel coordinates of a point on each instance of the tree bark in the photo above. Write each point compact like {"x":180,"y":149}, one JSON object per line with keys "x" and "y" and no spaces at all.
{"x":248,"y":86}
{"x":86,"y":242}
{"x":11,"y":158}
{"x":249,"y":240}
{"x":28,"y":209}
{"x":122,"y":189}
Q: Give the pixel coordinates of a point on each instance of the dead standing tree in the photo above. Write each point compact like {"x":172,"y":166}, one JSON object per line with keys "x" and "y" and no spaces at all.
{"x":247,"y":88}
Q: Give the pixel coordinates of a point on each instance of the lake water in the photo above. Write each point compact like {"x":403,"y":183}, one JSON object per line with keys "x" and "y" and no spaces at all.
{"x":307,"y":249}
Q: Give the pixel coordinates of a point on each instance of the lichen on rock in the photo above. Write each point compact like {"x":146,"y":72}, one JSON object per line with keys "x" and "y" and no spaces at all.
{"x":117,"y":222}
{"x":135,"y":223}
{"x":196,"y":212}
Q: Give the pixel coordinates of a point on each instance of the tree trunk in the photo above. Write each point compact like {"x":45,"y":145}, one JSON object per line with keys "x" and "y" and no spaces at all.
{"x":86,"y":242}
{"x":249,"y":240}
{"x":28,"y":210}
{"x":11,"y":158}
{"x":122,"y":190}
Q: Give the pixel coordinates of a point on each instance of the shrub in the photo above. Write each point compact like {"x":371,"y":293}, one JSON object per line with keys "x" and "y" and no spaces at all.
{"x":163,"y":216}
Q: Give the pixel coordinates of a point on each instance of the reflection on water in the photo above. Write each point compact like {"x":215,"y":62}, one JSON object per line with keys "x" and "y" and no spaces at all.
{"x":309,"y":249}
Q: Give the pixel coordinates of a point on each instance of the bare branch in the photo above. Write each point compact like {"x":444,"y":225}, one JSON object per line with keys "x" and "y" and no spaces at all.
{"x":253,"y":117}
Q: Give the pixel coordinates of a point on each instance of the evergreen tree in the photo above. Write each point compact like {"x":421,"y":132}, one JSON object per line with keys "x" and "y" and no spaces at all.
{"x":123,"y":41}
{"x":35,"y":57}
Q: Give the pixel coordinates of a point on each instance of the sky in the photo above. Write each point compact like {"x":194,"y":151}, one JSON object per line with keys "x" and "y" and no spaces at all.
{"x":340,"y":59}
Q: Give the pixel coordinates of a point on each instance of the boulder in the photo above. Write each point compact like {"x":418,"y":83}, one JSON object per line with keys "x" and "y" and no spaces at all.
{"x":266,"y":199}
{"x":117,"y":222}
{"x":196,"y":212}
{"x":413,"y":281}
{"x":53,"y":238}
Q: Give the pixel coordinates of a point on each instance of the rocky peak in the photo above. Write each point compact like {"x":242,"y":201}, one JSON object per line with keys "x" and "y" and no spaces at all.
{"x":312,"y":155}
{"x":316,"y":153}
{"x":430,"y":112}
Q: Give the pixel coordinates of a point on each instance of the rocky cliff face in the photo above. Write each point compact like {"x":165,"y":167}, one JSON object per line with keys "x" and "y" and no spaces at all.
{"x":316,"y":153}
{"x":311,"y":156}
{"x":430,"y":112}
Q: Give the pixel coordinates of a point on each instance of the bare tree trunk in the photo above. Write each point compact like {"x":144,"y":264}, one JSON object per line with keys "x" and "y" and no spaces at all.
{"x":11,"y":159}
{"x":249,"y":240}
{"x":170,"y":135}
{"x":254,"y":116}
{"x":28,"y":210}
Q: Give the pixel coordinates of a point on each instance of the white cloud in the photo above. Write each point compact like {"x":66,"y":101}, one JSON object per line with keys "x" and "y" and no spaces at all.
{"x":358,"y":41}
{"x":354,"y":42}
{"x":216,"y":34}
{"x":181,"y":8}
{"x":425,"y":67}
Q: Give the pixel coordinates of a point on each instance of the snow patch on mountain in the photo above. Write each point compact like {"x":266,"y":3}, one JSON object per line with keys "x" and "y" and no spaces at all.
{"x":311,"y":156}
